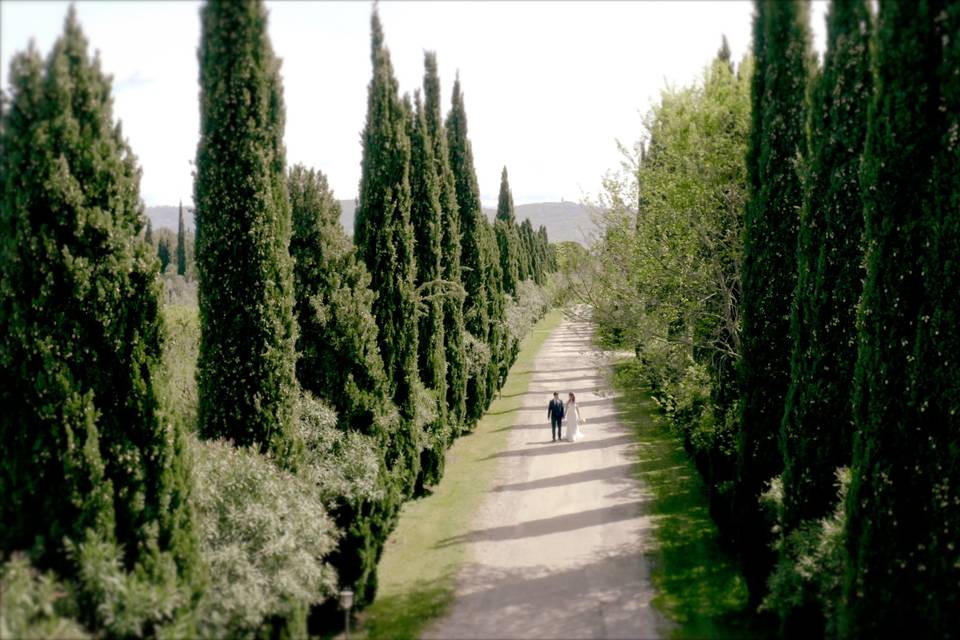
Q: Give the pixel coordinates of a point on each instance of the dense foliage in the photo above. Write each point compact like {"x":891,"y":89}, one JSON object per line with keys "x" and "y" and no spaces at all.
{"x":338,"y":357}
{"x":89,"y":454}
{"x":508,"y":240}
{"x":903,"y":508}
{"x":769,"y":270}
{"x":426,"y":216}
{"x":818,"y":418}
{"x":384,"y":239}
{"x":665,"y":280}
{"x":473,"y":225}
{"x":867,"y":375}
{"x":339,"y":362}
{"x":292,"y":354}
{"x":245,"y":372}
{"x":181,"y":244}
{"x":454,"y":330}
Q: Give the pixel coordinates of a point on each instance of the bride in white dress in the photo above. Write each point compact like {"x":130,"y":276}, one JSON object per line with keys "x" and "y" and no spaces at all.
{"x":571,"y":415}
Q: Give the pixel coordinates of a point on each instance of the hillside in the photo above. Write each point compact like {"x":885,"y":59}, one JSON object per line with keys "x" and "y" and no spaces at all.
{"x":166,"y":216}
{"x":563,"y":220}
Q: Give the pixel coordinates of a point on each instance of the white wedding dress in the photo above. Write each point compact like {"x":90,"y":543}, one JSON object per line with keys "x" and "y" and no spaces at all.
{"x":571,"y":418}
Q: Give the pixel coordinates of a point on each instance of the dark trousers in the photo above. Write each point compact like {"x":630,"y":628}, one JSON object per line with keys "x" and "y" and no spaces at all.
{"x":555,"y":424}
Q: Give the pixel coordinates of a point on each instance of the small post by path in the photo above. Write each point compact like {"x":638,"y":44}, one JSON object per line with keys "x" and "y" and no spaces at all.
{"x":346,"y":603}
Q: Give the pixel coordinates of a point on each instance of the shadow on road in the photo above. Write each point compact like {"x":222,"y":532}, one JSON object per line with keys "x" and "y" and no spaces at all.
{"x":565,"y":447}
{"x":547,"y":526}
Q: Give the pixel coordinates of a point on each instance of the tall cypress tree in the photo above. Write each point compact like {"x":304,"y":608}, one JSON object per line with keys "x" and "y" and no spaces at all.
{"x":453,"y":327}
{"x":148,"y":234}
{"x":181,"y":244}
{"x":936,"y":370}
{"x":473,"y":227}
{"x":818,"y":418}
{"x":549,"y":264}
{"x":903,"y":506}
{"x":769,"y":267}
{"x":817,"y":428}
{"x":723,"y":53}
{"x":163,"y":253}
{"x":87,"y":448}
{"x":337,"y":340}
{"x":426,"y":217}
{"x":340,"y":361}
{"x":245,"y":370}
{"x":507,"y":238}
{"x":530,"y":259}
{"x":497,"y":336}
{"x":384,"y":238}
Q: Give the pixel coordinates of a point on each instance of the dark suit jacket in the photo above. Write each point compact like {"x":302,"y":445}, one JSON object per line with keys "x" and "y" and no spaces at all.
{"x":555,"y":410}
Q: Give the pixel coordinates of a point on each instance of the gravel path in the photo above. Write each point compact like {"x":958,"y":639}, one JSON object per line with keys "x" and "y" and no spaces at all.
{"x":558,"y":548}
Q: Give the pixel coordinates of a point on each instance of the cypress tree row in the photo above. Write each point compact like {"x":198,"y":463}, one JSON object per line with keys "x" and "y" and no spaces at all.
{"x":903,"y":505}
{"x":818,"y":419}
{"x":181,"y":244}
{"x":148,"y":234}
{"x":473,"y":227}
{"x":88,"y":453}
{"x":245,"y":370}
{"x":507,"y":239}
{"x":450,"y":254}
{"x":426,"y":217}
{"x":384,"y":239}
{"x":768,"y":272}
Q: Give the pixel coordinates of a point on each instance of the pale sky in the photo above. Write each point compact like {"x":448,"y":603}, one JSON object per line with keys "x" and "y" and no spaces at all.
{"x":549,"y":86}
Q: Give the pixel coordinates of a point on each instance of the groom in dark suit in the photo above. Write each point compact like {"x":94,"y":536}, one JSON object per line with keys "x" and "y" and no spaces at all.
{"x":555,"y":415}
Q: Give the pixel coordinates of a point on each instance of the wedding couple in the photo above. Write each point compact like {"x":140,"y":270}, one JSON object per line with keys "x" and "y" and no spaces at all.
{"x":558,"y":414}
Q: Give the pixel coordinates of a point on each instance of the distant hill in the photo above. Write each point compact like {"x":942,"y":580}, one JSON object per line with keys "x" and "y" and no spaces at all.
{"x":168,"y":217}
{"x":563,"y":220}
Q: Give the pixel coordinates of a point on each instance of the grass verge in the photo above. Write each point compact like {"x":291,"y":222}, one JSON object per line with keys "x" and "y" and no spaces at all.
{"x":699,"y":586}
{"x":416,"y":574}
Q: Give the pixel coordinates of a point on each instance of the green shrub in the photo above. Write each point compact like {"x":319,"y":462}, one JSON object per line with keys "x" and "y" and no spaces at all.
{"x":147,"y":601}
{"x":178,"y":290}
{"x":264,"y":534}
{"x":524,"y":310}
{"x":478,"y":354}
{"x":809,"y":574}
{"x":35,"y":605}
{"x":343,"y":465}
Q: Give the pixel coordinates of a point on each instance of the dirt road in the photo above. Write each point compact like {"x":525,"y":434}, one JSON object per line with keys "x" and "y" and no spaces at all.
{"x":558,"y":548}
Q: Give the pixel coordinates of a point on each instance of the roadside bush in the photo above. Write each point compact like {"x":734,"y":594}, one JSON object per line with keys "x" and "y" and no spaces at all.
{"x":343,"y":465}
{"x":810,"y":572}
{"x":478,"y":354}
{"x":531,"y":303}
{"x":148,"y":601}
{"x":35,"y":605}
{"x":265,"y":535}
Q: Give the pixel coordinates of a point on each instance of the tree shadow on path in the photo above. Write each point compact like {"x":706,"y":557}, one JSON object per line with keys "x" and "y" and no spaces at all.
{"x":547,"y":526}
